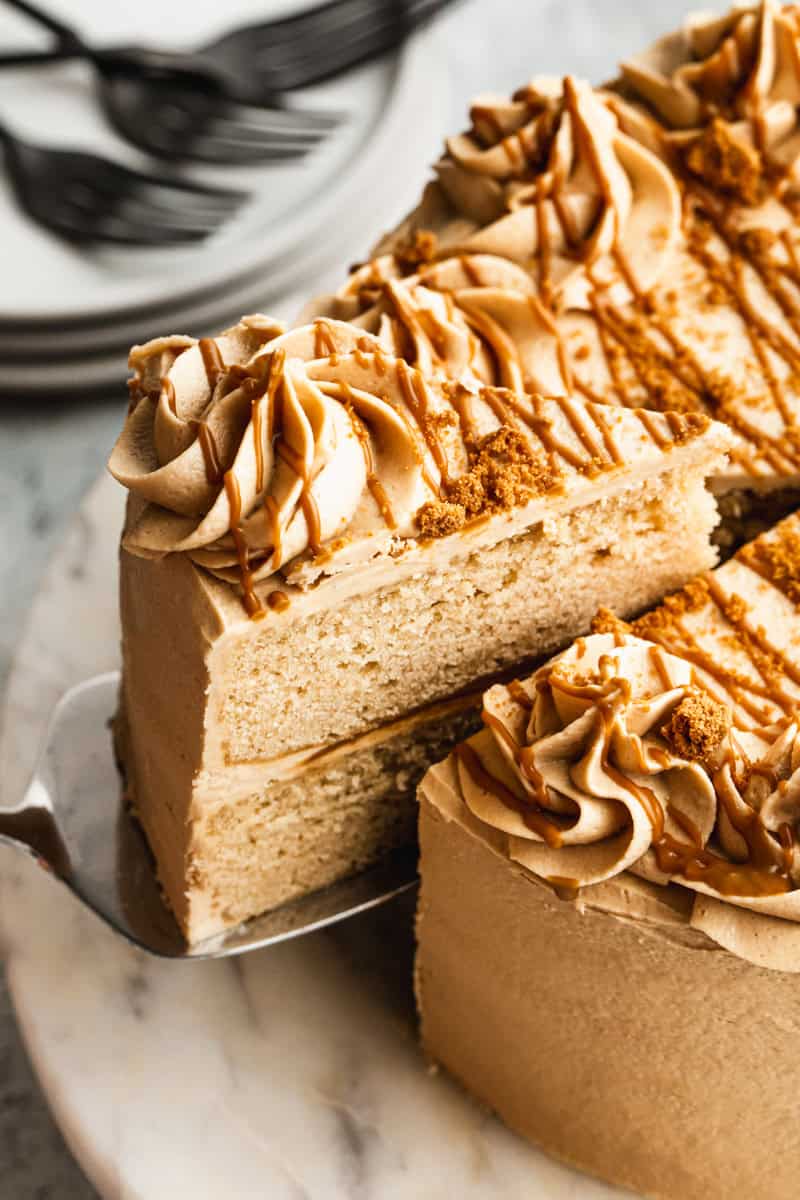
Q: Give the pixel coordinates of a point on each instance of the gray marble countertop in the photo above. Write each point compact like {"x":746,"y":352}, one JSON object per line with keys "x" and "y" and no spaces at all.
{"x":50,"y":454}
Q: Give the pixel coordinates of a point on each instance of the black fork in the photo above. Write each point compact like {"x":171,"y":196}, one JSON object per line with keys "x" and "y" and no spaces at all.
{"x":221,"y":103}
{"x":89,"y":199}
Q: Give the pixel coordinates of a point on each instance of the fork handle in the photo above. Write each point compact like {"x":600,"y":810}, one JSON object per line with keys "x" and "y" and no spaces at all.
{"x":65,"y":34}
{"x":40,"y":58}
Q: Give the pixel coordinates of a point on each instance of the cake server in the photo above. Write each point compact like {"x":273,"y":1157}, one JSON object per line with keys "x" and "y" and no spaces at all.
{"x":72,"y":821}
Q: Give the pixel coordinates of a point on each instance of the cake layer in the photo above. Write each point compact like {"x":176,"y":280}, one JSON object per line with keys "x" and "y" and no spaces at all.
{"x":617,"y":1038}
{"x":228,"y":690}
{"x":209,"y":714}
{"x":378,"y":656}
{"x":232,"y":847}
{"x":321,"y":540}
{"x":275,"y":689}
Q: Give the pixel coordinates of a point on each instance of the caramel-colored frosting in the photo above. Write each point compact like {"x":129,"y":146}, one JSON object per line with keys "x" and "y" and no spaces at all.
{"x":315,"y":451}
{"x":742,"y":66}
{"x":528,"y":215}
{"x":548,"y":178}
{"x":636,"y":245}
{"x":255,"y":448}
{"x":670,"y":749}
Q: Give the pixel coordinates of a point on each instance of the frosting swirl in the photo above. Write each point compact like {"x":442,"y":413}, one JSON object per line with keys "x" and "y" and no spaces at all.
{"x":264,"y":447}
{"x":728,"y":66}
{"x":610,"y":758}
{"x":474,"y":318}
{"x":726,"y":89}
{"x":532,"y":212}
{"x":313,"y":451}
{"x":548,"y":181}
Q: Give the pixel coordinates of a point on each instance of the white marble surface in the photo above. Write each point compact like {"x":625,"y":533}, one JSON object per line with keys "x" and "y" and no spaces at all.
{"x":291,"y":1073}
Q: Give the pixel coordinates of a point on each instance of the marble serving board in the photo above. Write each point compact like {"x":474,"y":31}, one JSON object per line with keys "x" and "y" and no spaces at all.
{"x":289,"y":1073}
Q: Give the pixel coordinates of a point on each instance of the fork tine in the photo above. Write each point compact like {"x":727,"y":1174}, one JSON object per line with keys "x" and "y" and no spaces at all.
{"x":121,"y":233}
{"x":163,"y":196}
{"x":191,"y":213}
{"x":129,"y":219}
{"x":374,"y":32}
{"x":143,"y":209}
{"x":223,"y":150}
{"x":244,"y":135}
{"x":239,"y":128}
{"x":112,"y":178}
{"x":343,"y":38}
{"x":139,"y":204}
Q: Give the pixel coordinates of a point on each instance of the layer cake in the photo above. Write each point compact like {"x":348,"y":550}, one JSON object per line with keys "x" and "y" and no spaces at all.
{"x":327,"y":553}
{"x":608,"y":923}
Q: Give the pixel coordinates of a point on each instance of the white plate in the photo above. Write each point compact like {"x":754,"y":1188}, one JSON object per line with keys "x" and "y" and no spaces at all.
{"x":46,"y":281}
{"x":289,"y":1073}
{"x":66,"y":360}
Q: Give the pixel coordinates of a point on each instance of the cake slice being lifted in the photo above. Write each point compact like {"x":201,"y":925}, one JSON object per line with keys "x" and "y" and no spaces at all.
{"x":327,"y":553}
{"x":650,"y":776}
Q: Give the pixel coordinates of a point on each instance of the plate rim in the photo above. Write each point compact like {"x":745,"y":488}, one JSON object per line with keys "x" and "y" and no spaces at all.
{"x":405,"y":63}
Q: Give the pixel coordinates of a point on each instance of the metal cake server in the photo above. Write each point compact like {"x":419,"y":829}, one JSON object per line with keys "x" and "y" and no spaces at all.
{"x":72,"y":821}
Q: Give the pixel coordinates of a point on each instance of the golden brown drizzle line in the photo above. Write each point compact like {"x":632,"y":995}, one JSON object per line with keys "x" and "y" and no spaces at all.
{"x":212,"y":360}
{"x":324,"y":342}
{"x":252,"y":604}
{"x":650,"y":365}
{"x":769,"y":664}
{"x":530,"y":813}
{"x":728,"y":275}
{"x":690,"y":860}
{"x":416,"y":398}
{"x":373,"y":483}
{"x":209,"y":450}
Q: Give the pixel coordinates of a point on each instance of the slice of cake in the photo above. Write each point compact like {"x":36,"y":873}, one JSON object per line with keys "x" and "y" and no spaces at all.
{"x":609,"y":920}
{"x":327,"y":553}
{"x":637,"y":245}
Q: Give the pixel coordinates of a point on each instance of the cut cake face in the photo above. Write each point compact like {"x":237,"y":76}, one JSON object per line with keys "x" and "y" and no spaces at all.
{"x":324,"y":544}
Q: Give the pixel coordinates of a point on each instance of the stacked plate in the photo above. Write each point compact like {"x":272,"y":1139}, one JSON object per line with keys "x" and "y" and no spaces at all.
{"x":68,"y":316}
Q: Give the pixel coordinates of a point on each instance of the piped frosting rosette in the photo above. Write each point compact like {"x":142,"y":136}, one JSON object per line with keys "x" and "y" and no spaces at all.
{"x":737,"y":75}
{"x":473,"y":317}
{"x":282,"y":448}
{"x":308,"y":453}
{"x":533,"y":208}
{"x":548,"y":181}
{"x":610,"y":759}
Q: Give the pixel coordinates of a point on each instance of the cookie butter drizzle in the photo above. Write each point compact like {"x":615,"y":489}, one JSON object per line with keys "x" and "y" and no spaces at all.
{"x":677,"y":379}
{"x":373,"y":483}
{"x":757,"y":699}
{"x":647,"y":361}
{"x":252,"y":604}
{"x":557,"y":433}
